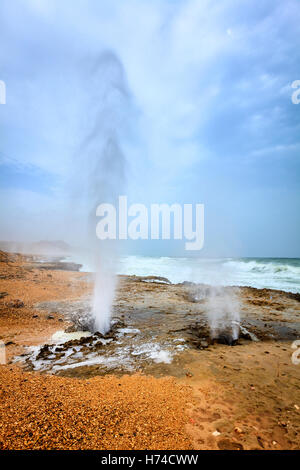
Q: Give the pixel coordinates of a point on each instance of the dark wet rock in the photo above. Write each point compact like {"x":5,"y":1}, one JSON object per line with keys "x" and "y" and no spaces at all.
{"x":98,"y":334}
{"x":200,"y":331}
{"x":225,"y":338}
{"x":35,"y":316}
{"x":44,"y":352}
{"x":3,"y":294}
{"x":84,"y":343}
{"x":294,"y":296}
{"x":8,"y":343}
{"x":85,"y":340}
{"x":50,"y":317}
{"x":71,"y":343}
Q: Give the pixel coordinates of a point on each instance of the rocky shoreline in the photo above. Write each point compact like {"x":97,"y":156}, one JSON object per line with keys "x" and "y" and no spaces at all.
{"x":145,"y":330}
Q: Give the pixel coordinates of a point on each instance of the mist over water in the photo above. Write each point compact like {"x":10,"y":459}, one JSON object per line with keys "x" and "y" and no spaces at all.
{"x":102,"y":163}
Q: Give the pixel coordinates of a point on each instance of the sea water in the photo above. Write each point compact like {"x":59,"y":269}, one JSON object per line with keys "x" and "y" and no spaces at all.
{"x":271,"y":273}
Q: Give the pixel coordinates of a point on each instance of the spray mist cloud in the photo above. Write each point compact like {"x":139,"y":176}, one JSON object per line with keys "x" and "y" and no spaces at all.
{"x":102,"y":165}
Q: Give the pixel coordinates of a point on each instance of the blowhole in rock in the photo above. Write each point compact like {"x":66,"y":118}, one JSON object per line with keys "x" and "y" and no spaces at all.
{"x":225,"y":338}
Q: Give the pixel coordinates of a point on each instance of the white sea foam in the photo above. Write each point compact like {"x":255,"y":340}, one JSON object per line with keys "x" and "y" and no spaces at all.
{"x":162,"y":356}
{"x":125,"y":355}
{"x":61,"y":336}
{"x":272,"y":273}
{"x":128,"y":331}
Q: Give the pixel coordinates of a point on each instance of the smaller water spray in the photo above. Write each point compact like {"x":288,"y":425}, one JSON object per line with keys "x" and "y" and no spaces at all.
{"x":104,"y":290}
{"x":222,"y":309}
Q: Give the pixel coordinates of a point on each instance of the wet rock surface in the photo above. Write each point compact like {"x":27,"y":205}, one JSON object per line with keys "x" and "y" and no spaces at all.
{"x":154,"y":324}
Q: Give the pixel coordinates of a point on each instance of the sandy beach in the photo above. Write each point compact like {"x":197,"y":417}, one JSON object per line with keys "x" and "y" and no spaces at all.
{"x":183,"y":392}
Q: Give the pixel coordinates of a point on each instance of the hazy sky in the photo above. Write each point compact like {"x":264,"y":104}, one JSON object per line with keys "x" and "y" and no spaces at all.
{"x":210,"y":118}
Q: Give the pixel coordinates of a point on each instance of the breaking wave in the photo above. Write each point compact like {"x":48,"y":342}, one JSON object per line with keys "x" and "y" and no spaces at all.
{"x":271,"y":273}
